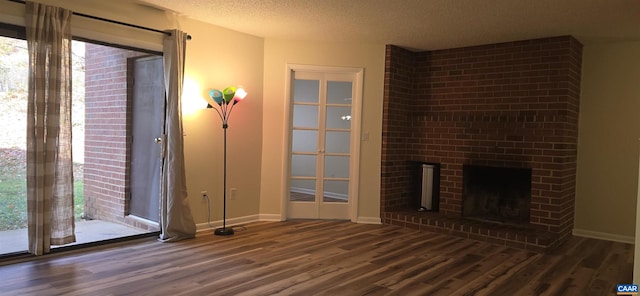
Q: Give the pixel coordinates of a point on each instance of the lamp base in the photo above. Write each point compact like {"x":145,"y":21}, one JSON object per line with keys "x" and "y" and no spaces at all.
{"x":223,"y":231}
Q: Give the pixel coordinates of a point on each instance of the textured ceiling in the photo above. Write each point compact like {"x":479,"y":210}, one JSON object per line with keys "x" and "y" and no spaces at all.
{"x":418,"y":24}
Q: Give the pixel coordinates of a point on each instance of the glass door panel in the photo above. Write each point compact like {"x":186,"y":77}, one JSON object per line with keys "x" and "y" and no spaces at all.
{"x":339,"y":92}
{"x":337,"y":142}
{"x":306,"y":91}
{"x":338,"y":117}
{"x":305,"y":116}
{"x":303,"y":190}
{"x":303,"y":165}
{"x":336,"y":191}
{"x":336,"y":166}
{"x":304,"y":141}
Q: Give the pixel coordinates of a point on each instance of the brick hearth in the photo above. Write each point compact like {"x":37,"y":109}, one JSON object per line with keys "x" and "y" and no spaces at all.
{"x":511,"y":104}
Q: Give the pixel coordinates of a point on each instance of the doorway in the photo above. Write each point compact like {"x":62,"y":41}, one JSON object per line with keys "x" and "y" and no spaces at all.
{"x":324,"y":125}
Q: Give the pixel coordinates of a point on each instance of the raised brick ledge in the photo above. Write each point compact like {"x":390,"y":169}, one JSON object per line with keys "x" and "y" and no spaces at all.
{"x":519,"y":237}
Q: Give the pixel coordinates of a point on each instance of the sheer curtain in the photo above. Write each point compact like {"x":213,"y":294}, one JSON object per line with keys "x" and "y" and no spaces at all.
{"x":49,"y":163}
{"x":175,"y":214}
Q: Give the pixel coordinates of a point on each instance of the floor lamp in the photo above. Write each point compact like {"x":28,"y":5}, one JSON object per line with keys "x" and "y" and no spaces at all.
{"x":225,"y":100}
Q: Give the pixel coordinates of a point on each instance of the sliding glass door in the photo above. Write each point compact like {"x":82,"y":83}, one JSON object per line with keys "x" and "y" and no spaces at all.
{"x":106,"y":203}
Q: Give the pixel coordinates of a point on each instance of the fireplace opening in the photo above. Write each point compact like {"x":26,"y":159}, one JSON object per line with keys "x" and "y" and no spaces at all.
{"x":496,"y":194}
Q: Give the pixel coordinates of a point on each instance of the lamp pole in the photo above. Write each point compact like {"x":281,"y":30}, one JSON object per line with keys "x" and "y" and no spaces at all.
{"x":224,"y":230}
{"x":225,"y":100}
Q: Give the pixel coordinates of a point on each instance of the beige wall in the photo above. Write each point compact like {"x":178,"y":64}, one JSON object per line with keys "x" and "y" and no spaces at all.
{"x":608,"y":145}
{"x":215,"y":58}
{"x":278,"y":54}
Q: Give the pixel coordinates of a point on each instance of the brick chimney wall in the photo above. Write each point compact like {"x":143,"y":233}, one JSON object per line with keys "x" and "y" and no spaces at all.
{"x":396,"y":128}
{"x":511,"y":104}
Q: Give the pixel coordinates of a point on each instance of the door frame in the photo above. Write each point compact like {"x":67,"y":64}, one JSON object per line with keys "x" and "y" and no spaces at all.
{"x":356,"y":122}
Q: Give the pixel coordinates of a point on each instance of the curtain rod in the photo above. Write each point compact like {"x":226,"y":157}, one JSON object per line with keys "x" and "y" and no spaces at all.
{"x":111,"y":21}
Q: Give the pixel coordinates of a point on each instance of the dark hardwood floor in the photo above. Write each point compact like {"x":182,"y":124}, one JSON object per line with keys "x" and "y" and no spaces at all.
{"x":309,"y":257}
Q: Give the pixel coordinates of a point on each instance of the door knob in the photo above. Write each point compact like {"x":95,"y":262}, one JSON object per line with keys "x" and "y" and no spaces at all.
{"x":158,"y":140}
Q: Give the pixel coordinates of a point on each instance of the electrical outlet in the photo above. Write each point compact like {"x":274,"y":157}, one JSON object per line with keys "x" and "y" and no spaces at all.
{"x":233,"y":193}
{"x":204,"y":194}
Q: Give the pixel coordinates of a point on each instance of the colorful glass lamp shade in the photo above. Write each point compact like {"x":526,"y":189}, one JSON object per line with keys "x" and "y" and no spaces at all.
{"x":216,"y":96}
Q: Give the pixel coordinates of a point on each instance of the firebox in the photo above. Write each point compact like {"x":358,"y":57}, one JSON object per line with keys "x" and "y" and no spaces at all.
{"x":497,"y":194}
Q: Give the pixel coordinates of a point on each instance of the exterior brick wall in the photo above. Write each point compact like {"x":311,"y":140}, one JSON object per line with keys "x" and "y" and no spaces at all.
{"x":511,"y":104}
{"x":106,"y":137}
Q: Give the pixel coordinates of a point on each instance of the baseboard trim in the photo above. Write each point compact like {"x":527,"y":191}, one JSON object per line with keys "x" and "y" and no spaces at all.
{"x":270,"y":217}
{"x":604,"y":236}
{"x":369,"y":220}
{"x":230,"y":222}
{"x":239,"y":220}
{"x":266,"y":217}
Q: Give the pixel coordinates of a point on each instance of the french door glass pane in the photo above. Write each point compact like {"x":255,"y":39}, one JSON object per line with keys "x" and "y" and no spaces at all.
{"x":302,"y":190}
{"x":306,"y":91}
{"x":336,"y":166}
{"x":304,"y":141}
{"x":305,"y":116}
{"x":303,"y":165}
{"x":338,"y":117}
{"x":337,"y":142}
{"x":336,"y":191}
{"x":339,"y":92}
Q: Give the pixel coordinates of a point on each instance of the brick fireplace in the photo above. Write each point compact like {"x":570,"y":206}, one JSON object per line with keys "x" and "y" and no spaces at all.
{"x":507,"y":105}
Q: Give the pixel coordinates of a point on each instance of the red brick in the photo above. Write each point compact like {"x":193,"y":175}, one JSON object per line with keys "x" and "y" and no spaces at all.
{"x":470,"y":105}
{"x":106,"y":132}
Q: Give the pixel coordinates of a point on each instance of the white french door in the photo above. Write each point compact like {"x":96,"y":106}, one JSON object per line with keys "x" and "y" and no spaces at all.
{"x":323,"y":143}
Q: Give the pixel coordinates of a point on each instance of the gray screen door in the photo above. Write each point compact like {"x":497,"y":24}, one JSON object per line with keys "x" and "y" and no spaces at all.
{"x":146,"y":146}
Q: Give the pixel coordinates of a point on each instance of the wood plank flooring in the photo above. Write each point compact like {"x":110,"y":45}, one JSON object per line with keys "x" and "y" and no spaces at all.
{"x":309,"y":257}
